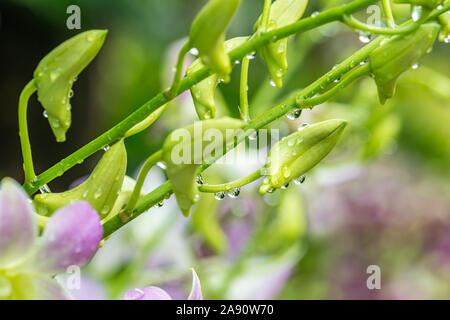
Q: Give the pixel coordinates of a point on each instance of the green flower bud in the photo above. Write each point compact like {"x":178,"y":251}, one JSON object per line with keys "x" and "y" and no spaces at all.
{"x":425,"y":3}
{"x":294,"y":155}
{"x":186,"y":148}
{"x":147,"y":122}
{"x":101,"y":189}
{"x":56,"y":73}
{"x":282,"y":13}
{"x":207,"y":34}
{"x":444,"y":35}
{"x":203,"y":92}
{"x":399,"y":54}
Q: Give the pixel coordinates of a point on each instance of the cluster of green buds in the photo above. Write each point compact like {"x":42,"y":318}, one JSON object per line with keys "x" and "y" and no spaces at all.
{"x":203,"y":92}
{"x":299,"y":152}
{"x":398,"y":54}
{"x":57,"y":72}
{"x":282,"y":13}
{"x":186,"y":148}
{"x":101,"y":189}
{"x":207,"y":34}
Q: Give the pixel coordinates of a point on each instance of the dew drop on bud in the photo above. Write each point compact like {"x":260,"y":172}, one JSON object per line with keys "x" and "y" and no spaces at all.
{"x":302,"y":126}
{"x":295,"y":114}
{"x":45,"y":114}
{"x":98,"y":193}
{"x":315,"y":14}
{"x":415,"y":66}
{"x":416,"y":13}
{"x":106,"y":148}
{"x":194,"y":51}
{"x":234,"y":193}
{"x":160,"y":204}
{"x":199,"y":179}
{"x":285,"y":186}
{"x":365,"y":36}
{"x":300,"y":180}
{"x":272,"y":83}
{"x":162,"y":165}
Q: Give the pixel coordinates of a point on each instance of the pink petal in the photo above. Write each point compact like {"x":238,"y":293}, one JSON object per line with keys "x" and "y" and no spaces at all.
{"x":148,"y":293}
{"x":70,"y":238}
{"x":18,"y":228}
{"x":196,"y":291}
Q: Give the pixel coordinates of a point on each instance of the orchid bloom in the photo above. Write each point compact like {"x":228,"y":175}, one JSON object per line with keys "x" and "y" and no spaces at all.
{"x":155,"y":293}
{"x":28,"y":262}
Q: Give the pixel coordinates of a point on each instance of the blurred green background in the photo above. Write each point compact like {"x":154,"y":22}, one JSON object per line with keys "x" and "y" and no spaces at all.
{"x":381,"y":198}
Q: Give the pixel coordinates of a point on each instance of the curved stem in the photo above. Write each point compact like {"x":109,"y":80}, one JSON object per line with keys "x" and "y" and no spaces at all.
{"x":346,"y":80}
{"x":353,"y":23}
{"x":390,"y":21}
{"x":118,"y":131}
{"x":244,"y":90}
{"x":149,"y":163}
{"x":231,"y":185}
{"x":179,"y":69}
{"x":25,"y":95}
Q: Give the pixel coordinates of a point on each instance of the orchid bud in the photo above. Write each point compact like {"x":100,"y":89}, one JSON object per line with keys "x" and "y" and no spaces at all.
{"x":203,"y":92}
{"x":186,"y":148}
{"x":282,"y":13}
{"x":101,"y":189}
{"x":399,"y":54}
{"x":207,"y":34}
{"x":425,"y":3}
{"x":294,"y":155}
{"x":56,"y":73}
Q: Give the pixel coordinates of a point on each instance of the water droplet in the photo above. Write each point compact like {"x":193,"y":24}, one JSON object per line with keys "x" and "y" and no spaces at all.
{"x":365,"y":36}
{"x":237,"y":62}
{"x":315,"y":14}
{"x":285,"y":186}
{"x":250,"y":56}
{"x":416,"y":13}
{"x":106,"y":148}
{"x":234,"y":193}
{"x":302,"y":126}
{"x":272,"y":83}
{"x":162,"y":165}
{"x":300,"y":179}
{"x":271,"y":190}
{"x":98,"y":193}
{"x":286,"y":172}
{"x":194,"y":51}
{"x":85,"y":194}
{"x":219,"y":195}
{"x":160,"y":204}
{"x":104,"y":210}
{"x":254,"y":135}
{"x":199,"y":179}
{"x":44,"y":189}
{"x":45,"y":114}
{"x":70,"y":93}
{"x":415,"y":66}
{"x":295,"y":114}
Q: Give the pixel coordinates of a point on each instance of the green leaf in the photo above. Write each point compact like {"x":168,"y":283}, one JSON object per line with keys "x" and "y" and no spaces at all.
{"x":296,"y":154}
{"x":101,"y":189}
{"x":56,"y":73}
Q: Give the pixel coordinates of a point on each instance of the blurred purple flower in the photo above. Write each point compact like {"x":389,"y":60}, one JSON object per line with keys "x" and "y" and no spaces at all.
{"x":71,"y":237}
{"x":155,"y":293}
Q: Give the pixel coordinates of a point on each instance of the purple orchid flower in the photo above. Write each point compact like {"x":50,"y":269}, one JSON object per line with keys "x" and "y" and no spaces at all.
{"x":28,"y":262}
{"x":155,"y":293}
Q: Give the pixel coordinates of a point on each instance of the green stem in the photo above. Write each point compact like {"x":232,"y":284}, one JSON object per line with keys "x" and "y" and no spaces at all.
{"x":267,"y":117}
{"x":238,"y":53}
{"x":231,"y":185}
{"x":244,"y":90}
{"x":179,"y":69}
{"x":266,"y":15}
{"x":346,"y":80}
{"x":149,"y":163}
{"x":25,"y":95}
{"x":390,"y":21}
{"x":408,"y":27}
